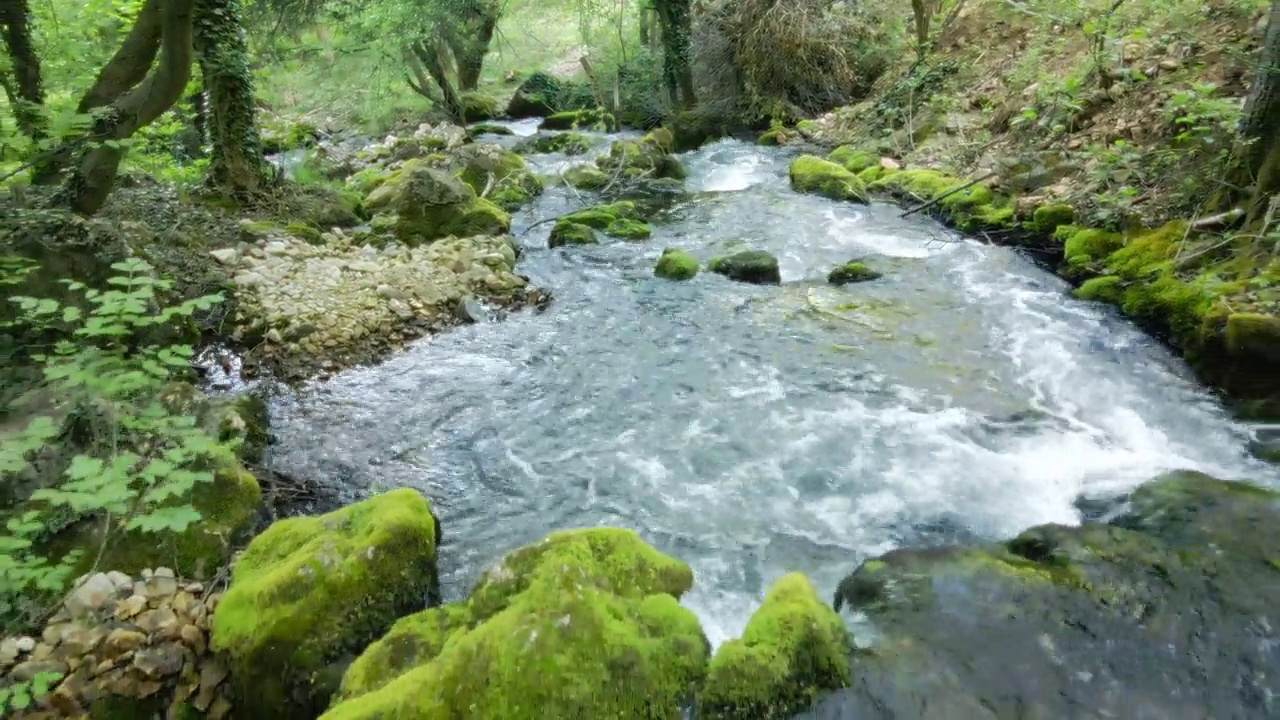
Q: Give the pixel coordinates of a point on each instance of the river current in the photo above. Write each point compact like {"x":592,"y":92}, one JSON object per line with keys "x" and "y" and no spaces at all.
{"x":750,"y":430}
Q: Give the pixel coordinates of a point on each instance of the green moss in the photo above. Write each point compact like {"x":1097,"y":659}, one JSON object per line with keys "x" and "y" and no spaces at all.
{"x":585,"y":624}
{"x":1082,"y":247}
{"x":629,"y":229}
{"x":586,"y":177}
{"x":566,"y":232}
{"x":793,"y":648}
{"x":692,"y":129}
{"x":676,"y":265}
{"x":490,"y":129}
{"x":662,"y":139}
{"x":510,"y":197}
{"x":1047,"y":218}
{"x":304,"y":231}
{"x":871,"y":174}
{"x":569,"y":143}
{"x":851,"y":272}
{"x":1169,"y":301}
{"x":477,"y":106}
{"x":579,"y":120}
{"x":853,"y":159}
{"x":645,"y":158}
{"x":255,"y":230}
{"x":751,"y":266}
{"x":1253,"y":334}
{"x":810,"y":174}
{"x":310,"y":589}
{"x":773,"y":137}
{"x":600,"y":217}
{"x":1108,"y":289}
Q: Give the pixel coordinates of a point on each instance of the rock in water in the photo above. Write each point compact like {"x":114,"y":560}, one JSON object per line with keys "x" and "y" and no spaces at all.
{"x":310,"y":591}
{"x":579,"y":120}
{"x":1162,"y":613}
{"x":537,"y":96}
{"x":585,"y":624}
{"x":752,"y":266}
{"x":428,"y":203}
{"x":852,"y":272}
{"x":569,"y":143}
{"x":810,"y":174}
{"x":586,"y":177}
{"x":676,"y":265}
{"x":571,"y":233}
{"x":793,"y":648}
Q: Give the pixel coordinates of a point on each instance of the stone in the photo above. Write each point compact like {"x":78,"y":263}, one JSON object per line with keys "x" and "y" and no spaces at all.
{"x":26,"y":644}
{"x":592,"y":119}
{"x":751,"y":266}
{"x":82,"y":639}
{"x":309,"y":590}
{"x":225,"y":256}
{"x":27,"y":671}
{"x":568,"y":143}
{"x":159,"y":661}
{"x":852,"y":272}
{"x":130,"y":607}
{"x":42,"y":651}
{"x":566,"y":232}
{"x":811,"y":174}
{"x":161,"y":587}
{"x":89,"y":597}
{"x":193,"y":638}
{"x":648,"y":158}
{"x":212,"y":673}
{"x":538,"y":96}
{"x":9,"y":650}
{"x":121,"y":641}
{"x":793,"y":649}
{"x":585,"y":624}
{"x":676,"y":265}
{"x":586,"y":177}
{"x":158,"y":620}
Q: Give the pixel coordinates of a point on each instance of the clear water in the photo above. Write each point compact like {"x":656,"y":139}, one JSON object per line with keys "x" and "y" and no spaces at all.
{"x":752,"y":430}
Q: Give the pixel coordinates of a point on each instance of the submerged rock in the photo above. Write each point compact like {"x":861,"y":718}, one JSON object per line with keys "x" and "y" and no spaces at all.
{"x":309,"y":591}
{"x":810,"y":174}
{"x":585,"y":624}
{"x":751,"y":266}
{"x":1162,"y":613}
{"x":852,"y":272}
{"x":567,"y":232}
{"x":676,"y":265}
{"x":793,"y":648}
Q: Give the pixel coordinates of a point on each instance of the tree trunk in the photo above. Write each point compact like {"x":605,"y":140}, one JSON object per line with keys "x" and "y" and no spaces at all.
{"x":1258,"y":125}
{"x":26,"y":93}
{"x":126,"y":68}
{"x":921,"y":12}
{"x":676,"y":20}
{"x":428,"y":57}
{"x":91,"y":182}
{"x":474,"y":46}
{"x":236,"y":164}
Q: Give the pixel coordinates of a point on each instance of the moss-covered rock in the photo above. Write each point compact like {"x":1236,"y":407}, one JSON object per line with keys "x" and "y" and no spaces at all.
{"x":1253,"y":335}
{"x":811,"y":174}
{"x":1048,"y":218}
{"x":777,"y":134}
{"x":1108,"y":289}
{"x":282,"y":135}
{"x":1084,"y":248}
{"x":1180,"y":575}
{"x":751,"y":266}
{"x":568,"y":143}
{"x":647,"y":158}
{"x":596,"y":119}
{"x":585,"y":624}
{"x":309,"y":592}
{"x":477,"y":106}
{"x":566,"y":232}
{"x":586,"y":177}
{"x":692,"y":129}
{"x":600,"y":217}
{"x":629,"y":229}
{"x":486,"y":166}
{"x":854,"y":159}
{"x":429,"y":203}
{"x":676,"y":265}
{"x":972,"y":209}
{"x":489,"y":129}
{"x":852,"y":272}
{"x":537,"y":96}
{"x":793,"y":648}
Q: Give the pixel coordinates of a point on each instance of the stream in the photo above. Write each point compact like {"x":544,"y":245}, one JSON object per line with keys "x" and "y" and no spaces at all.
{"x":751,"y":430}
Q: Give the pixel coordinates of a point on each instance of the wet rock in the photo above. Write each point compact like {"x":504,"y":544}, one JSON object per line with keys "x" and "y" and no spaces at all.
{"x":584,"y":624}
{"x":853,"y":158}
{"x":676,"y":265}
{"x":491,"y":168}
{"x":598,"y":120}
{"x":565,"y":232}
{"x":810,"y":174}
{"x":586,"y":177}
{"x":89,"y":597}
{"x":537,"y":96}
{"x":308,"y":591}
{"x":159,"y":661}
{"x":852,"y":272}
{"x":568,"y":143}
{"x":793,"y":648}
{"x":649,"y":158}
{"x":1180,"y":586}
{"x":752,"y":266}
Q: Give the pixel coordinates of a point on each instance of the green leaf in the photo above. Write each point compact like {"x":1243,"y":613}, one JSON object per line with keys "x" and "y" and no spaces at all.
{"x":70,"y":313}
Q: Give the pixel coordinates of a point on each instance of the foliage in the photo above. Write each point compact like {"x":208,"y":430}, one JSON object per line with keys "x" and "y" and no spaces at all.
{"x":136,"y":459}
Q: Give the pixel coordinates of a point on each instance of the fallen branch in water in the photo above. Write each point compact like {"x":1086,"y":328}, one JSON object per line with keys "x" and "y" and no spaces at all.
{"x":947,"y":194}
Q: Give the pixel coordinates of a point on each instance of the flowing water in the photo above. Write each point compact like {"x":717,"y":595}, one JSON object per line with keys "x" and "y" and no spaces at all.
{"x":754,"y":430}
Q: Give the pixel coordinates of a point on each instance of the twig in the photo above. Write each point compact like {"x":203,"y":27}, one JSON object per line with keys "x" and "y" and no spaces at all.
{"x":1224,"y":218}
{"x":947,"y":194}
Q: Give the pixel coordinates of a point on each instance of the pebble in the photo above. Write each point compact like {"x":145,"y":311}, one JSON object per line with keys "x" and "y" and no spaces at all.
{"x":89,"y":596}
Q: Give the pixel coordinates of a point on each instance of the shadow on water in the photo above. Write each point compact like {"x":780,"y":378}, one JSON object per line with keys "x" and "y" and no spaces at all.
{"x":756,"y":430}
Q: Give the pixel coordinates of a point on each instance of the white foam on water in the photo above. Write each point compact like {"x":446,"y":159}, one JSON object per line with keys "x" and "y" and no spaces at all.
{"x":849,"y":230}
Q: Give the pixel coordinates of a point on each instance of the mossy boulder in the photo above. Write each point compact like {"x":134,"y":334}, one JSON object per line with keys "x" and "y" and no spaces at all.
{"x":1048,"y":218}
{"x":629,"y":229}
{"x":852,"y":272}
{"x":567,"y":143}
{"x":1175,"y":583}
{"x":974,"y":208}
{"x":647,"y":158}
{"x":585,"y":624}
{"x":1083,"y":249}
{"x":586,"y":177}
{"x":854,"y":159}
{"x":281,"y":135}
{"x":777,"y":134}
{"x":810,"y":174}
{"x":600,"y":217}
{"x":429,"y":203}
{"x":596,"y":119}
{"x":566,"y":232}
{"x":1253,"y":335}
{"x":751,"y":266}
{"x":676,"y":265}
{"x":502,"y":172}
{"x":309,"y":592}
{"x":537,"y":96}
{"x":692,"y":129}
{"x":1108,"y":289}
{"x":793,"y":648}
{"x":477,"y":106}
{"x":489,"y":129}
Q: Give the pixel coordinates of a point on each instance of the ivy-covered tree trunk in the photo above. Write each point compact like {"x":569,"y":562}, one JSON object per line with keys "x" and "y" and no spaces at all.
{"x":472,"y":44}
{"x":1261,"y":123}
{"x":25,"y":93}
{"x":236,"y":164}
{"x":94,"y":176}
{"x":676,"y":20}
{"x":426,"y":60}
